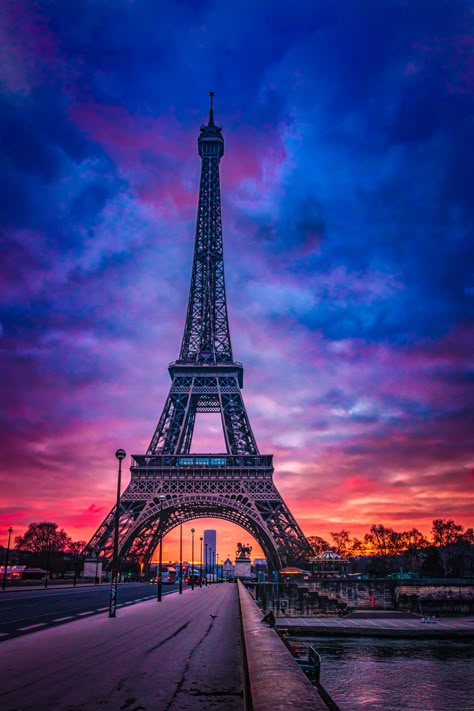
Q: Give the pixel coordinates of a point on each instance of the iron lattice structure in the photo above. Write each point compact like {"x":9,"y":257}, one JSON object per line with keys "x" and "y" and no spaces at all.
{"x":169,"y":485}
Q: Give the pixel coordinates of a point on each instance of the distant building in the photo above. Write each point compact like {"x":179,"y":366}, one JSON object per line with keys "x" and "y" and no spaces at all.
{"x":210,"y":539}
{"x":292,"y":574}
{"x":329,"y":565}
{"x":260,"y":569}
{"x":228,"y":569}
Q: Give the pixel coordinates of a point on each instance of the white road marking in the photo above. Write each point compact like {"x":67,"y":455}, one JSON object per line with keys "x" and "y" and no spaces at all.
{"x":3,"y":634}
{"x":81,"y":614}
{"x":63,"y":619}
{"x":31,"y":627}
{"x":101,"y":609}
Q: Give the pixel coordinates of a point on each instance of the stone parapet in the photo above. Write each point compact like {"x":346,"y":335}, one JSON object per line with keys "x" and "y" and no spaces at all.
{"x":276,"y":683}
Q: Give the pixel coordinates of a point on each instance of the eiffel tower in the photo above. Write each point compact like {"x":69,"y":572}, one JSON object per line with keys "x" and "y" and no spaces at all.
{"x":170,"y":485}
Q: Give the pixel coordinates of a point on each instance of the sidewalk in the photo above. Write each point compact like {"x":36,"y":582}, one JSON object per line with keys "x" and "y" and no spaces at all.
{"x":181,"y":654}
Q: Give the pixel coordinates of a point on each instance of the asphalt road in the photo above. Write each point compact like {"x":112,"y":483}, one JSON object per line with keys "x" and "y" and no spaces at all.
{"x":183,"y":654}
{"x":26,"y":611}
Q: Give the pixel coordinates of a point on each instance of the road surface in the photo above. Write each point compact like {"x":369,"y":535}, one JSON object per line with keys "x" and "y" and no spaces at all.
{"x":26,"y":611}
{"x":181,"y":654}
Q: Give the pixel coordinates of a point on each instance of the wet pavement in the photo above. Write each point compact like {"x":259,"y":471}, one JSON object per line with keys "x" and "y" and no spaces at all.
{"x":182,"y":653}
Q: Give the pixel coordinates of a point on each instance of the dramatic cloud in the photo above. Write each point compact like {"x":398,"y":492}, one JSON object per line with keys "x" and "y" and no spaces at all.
{"x":348,"y":226}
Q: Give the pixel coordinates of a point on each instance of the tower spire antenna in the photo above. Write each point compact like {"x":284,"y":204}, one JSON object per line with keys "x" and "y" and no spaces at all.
{"x":211,"y":108}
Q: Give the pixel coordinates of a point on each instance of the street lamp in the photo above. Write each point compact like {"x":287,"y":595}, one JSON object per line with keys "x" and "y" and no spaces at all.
{"x":192,"y":558}
{"x":162,"y":497}
{"x":120,"y":454}
{"x":218,"y":567}
{"x":211,"y":564}
{"x":205,"y":559}
{"x":200,"y":565}
{"x":96,"y":579}
{"x":4,"y":582}
{"x":48,"y":560}
{"x":181,"y":558}
{"x":74,"y":582}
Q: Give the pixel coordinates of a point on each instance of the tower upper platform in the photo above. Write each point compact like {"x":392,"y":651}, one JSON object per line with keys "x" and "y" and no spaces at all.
{"x":211,"y":140}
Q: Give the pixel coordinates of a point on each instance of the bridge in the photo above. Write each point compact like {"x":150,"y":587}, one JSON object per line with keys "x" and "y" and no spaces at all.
{"x":201,"y":650}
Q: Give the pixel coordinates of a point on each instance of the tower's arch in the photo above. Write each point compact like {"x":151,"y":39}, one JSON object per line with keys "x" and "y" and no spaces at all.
{"x":142,"y":539}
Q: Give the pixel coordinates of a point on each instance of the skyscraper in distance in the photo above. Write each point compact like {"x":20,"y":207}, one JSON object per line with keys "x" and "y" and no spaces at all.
{"x":210,"y":538}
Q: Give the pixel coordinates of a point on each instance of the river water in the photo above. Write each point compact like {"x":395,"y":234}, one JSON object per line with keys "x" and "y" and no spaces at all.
{"x":397,"y":674}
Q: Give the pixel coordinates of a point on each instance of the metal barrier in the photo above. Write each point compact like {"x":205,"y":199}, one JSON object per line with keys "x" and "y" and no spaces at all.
{"x":311,"y":665}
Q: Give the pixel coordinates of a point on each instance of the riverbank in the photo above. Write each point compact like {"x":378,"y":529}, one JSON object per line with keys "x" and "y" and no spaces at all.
{"x":381,"y":625}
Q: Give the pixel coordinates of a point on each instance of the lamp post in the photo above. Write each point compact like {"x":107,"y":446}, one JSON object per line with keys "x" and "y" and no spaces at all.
{"x":74,"y":582}
{"x":181,"y":558}
{"x":205,"y":560}
{"x":192,"y":558}
{"x":4,"y":582}
{"x":120,"y":455}
{"x":200,"y":565}
{"x":96,"y":579}
{"x":48,"y":558}
{"x":162,"y":497}
{"x":218,"y":568}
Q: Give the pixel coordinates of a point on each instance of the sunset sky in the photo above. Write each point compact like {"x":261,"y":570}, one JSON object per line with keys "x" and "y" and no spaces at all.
{"x":348,"y":203}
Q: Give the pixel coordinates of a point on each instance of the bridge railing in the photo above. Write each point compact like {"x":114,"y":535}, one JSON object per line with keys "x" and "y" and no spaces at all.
{"x":311,"y":665}
{"x":276,"y":683}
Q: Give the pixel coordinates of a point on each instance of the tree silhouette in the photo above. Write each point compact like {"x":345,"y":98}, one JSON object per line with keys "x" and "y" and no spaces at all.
{"x":445,"y":532}
{"x":43,"y":537}
{"x":342,"y":540}
{"x":46,"y":541}
{"x":447,"y":535}
{"x":318,"y":544}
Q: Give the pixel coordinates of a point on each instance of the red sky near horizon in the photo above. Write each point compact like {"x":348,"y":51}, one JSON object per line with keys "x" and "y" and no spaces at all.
{"x":348,"y":236}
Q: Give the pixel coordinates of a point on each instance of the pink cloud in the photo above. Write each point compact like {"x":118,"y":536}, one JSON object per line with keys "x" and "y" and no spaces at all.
{"x":142,"y":144}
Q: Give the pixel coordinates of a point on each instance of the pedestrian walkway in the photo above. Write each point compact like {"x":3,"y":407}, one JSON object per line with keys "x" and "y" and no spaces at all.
{"x":182,"y":653}
{"x":379,"y":626}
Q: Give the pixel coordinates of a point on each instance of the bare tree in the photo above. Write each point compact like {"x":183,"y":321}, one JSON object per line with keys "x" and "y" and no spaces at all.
{"x":358,"y":547}
{"x":76,"y":547}
{"x":46,"y":540}
{"x":445,"y":532}
{"x":43,"y":538}
{"x":384,"y":541}
{"x":414,"y":543}
{"x":446,"y":535}
{"x":318,"y":544}
{"x":342,"y":540}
